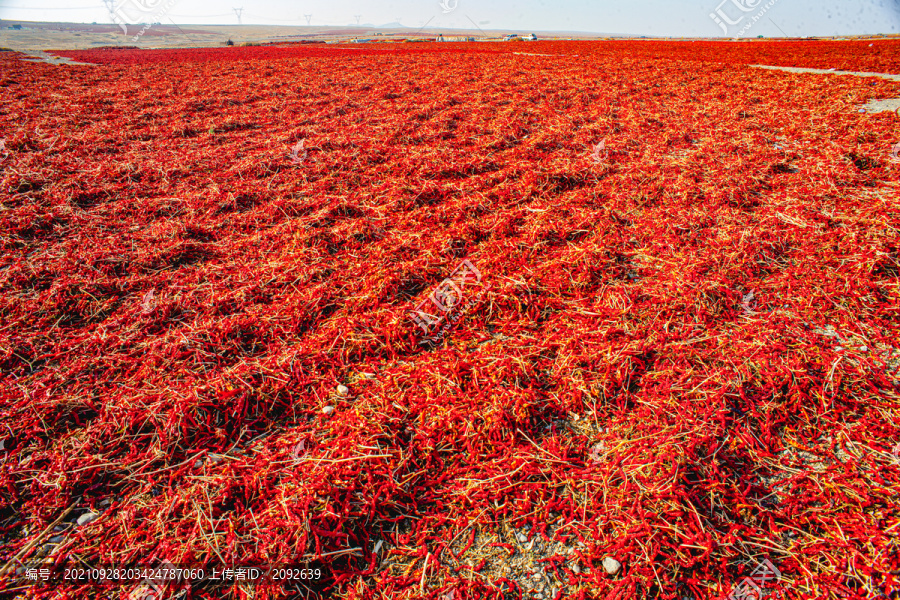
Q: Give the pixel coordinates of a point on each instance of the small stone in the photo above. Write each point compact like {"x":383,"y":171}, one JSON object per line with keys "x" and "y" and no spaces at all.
{"x":87,"y":518}
{"x":611,"y":565}
{"x":576,"y":569}
{"x":536,"y":576}
{"x":863,"y":348}
{"x":215,"y":458}
{"x":56,"y":539}
{"x":343,"y":390}
{"x":198,"y":464}
{"x":521,"y":537}
{"x":328,"y":410}
{"x":539,"y":596}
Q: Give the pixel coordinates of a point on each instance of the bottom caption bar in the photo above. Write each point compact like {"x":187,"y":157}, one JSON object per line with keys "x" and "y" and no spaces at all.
{"x":152,"y":579}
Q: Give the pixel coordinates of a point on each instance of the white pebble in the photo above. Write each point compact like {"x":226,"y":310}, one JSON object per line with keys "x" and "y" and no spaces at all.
{"x":343,"y":390}
{"x":521,"y":537}
{"x":576,"y":569}
{"x":328,"y":410}
{"x":611,"y":565}
{"x":87,"y":518}
{"x":198,"y":464}
{"x":56,"y":539}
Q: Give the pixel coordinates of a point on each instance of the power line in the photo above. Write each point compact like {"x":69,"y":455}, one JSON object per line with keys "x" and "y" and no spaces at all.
{"x":779,"y":28}
{"x":476,"y":25}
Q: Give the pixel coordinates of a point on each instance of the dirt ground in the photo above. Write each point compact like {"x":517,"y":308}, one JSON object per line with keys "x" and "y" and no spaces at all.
{"x":75,"y":36}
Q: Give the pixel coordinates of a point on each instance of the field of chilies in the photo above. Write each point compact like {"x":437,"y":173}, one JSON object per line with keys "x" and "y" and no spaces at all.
{"x":451,"y":321}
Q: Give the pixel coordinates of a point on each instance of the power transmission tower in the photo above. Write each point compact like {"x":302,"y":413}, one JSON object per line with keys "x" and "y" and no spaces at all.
{"x":357,"y":18}
{"x":308,"y":18}
{"x":238,"y":12}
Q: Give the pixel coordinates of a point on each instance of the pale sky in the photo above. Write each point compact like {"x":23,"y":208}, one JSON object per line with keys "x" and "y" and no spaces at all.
{"x":631,"y":17}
